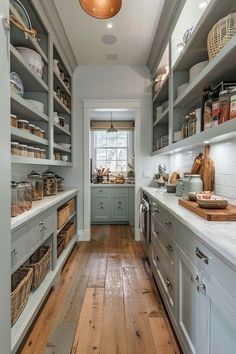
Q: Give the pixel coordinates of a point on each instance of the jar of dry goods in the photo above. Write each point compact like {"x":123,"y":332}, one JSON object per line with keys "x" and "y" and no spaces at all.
{"x":62,"y":121}
{"x":224,"y":109}
{"x":60,"y":184}
{"x":215,"y":112}
{"x":233,"y":103}
{"x":192,"y":124}
{"x":42,"y":133}
{"x":28,"y":195}
{"x":49,"y":183}
{"x":15,"y":148}
{"x":13,"y":120}
{"x":30,"y":151}
{"x":57,"y":156}
{"x":37,"y":153}
{"x":37,"y":131}
{"x":185,"y":127}
{"x":23,"y":124}
{"x":14,"y":200}
{"x":31,"y":128}
{"x":23,"y":150}
{"x":43,"y":154}
{"x":36,"y":181}
{"x":21,"y":197}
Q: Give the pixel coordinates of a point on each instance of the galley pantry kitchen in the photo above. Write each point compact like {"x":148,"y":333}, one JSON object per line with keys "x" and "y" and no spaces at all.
{"x":50,"y":267}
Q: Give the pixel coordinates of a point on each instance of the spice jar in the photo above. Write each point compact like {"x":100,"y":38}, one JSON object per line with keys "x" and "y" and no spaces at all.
{"x":60,"y":184}
{"x":23,"y":124}
{"x":57,"y":156}
{"x":42,"y":133}
{"x":224,"y":106}
{"x":233,"y":103}
{"x":28,"y":195}
{"x":30,"y":150}
{"x":49,"y":183}
{"x":192,"y":124}
{"x":31,"y":128}
{"x":185,"y":127}
{"x":43,"y":154}
{"x":23,"y":150}
{"x":36,"y":181}
{"x":14,"y":200}
{"x":37,"y":131}
{"x":15,"y":148}
{"x":37,"y":153}
{"x":21,"y":197}
{"x":62,"y":121}
{"x":13,"y":120}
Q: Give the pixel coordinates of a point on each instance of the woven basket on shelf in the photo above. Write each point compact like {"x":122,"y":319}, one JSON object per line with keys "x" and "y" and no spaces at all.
{"x":60,"y":244}
{"x":63,"y":215}
{"x":40,"y":263}
{"x":21,"y":282}
{"x":68,"y":233}
{"x":220,"y":34}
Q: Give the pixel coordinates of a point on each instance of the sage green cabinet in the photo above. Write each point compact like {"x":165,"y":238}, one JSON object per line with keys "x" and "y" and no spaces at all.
{"x":112,"y":205}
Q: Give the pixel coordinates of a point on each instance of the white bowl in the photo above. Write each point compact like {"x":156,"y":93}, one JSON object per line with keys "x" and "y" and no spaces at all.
{"x":39,"y":106}
{"x":34,"y":59}
{"x":64,"y":158}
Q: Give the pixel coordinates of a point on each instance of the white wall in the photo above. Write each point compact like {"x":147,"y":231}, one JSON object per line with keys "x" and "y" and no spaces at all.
{"x":223,"y":154}
{"x":109,"y":82}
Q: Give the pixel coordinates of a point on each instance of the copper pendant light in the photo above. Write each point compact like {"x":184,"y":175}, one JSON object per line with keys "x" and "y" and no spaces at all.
{"x":102,"y":9}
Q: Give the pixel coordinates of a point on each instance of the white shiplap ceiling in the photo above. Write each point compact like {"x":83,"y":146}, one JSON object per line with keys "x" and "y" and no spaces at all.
{"x":134,"y":26}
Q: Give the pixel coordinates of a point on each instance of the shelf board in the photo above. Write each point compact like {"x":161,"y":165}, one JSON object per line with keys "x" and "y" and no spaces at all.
{"x":19,"y":39}
{"x":162,"y":92}
{"x":222,"y":67}
{"x":22,"y":136}
{"x":59,"y":130}
{"x":32,"y":82}
{"x":163,"y":117}
{"x":59,"y":106}
{"x":195,"y":50}
{"x":36,"y":299}
{"x":216,"y":134}
{"x":71,"y":217}
{"x":23,"y":109}
{"x":34,"y":161}
{"x":60,"y":82}
{"x":60,"y":163}
{"x":58,"y":147}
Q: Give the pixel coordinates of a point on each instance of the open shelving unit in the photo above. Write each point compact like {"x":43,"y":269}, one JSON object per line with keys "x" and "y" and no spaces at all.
{"x":220,"y":68}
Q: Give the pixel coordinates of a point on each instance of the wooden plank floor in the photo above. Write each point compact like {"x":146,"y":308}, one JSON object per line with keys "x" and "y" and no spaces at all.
{"x":106,"y":302}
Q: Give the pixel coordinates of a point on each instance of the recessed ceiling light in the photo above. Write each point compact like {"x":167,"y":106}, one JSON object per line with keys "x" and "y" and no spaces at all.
{"x":109,"y":25}
{"x":109,"y":39}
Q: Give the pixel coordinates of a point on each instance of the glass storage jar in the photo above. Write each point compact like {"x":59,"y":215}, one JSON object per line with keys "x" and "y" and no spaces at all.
{"x":23,"y":150}
{"x":49,"y":183}
{"x":13,"y":120}
{"x":23,"y":124}
{"x":21,"y":197}
{"x":43,"y":154}
{"x":36,"y":181}
{"x":192,"y":124}
{"x":60,"y":183}
{"x":233,"y":103}
{"x":15,"y":148}
{"x":224,"y":109}
{"x":37,"y":131}
{"x":61,"y":121}
{"x":28,"y":195}
{"x":30,"y":150}
{"x":42,"y":134}
{"x":14,"y":200}
{"x":185,"y":127}
{"x":31,"y":128}
{"x":37,"y":153}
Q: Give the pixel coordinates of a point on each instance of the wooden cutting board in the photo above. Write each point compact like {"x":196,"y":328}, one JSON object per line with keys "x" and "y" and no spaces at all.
{"x":228,"y":214}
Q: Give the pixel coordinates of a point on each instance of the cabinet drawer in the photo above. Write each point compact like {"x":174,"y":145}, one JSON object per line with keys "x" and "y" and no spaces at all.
{"x":19,"y":247}
{"x":41,"y":228}
{"x":120,"y":207}
{"x":100,"y":191}
{"x":166,"y":243}
{"x":165,"y":279}
{"x":100,"y":208}
{"x":163,"y":217}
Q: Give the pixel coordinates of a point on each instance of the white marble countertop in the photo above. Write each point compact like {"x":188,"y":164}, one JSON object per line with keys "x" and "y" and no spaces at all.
{"x":219,"y":237}
{"x":40,"y":206}
{"x":111,"y":185}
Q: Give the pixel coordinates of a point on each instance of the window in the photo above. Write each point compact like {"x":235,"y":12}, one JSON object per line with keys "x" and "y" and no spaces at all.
{"x":111,"y":150}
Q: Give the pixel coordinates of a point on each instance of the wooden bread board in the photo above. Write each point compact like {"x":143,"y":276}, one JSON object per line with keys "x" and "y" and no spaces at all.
{"x":228,"y":214}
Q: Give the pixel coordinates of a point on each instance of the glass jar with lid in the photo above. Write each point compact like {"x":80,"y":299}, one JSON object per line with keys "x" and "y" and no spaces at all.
{"x":60,"y":183}
{"x":192,"y":124}
{"x":14,"y":200}
{"x":23,"y":150}
{"x":43,"y":154}
{"x":37,"y":131}
{"x":36,"y":181}
{"x":28,"y":195}
{"x":30,"y":151}
{"x":13,"y":120}
{"x":42,"y":134}
{"x":31,"y":128}
{"x":21,"y":197}
{"x":15,"y":148}
{"x":185,"y":127}
{"x":49,"y":183}
{"x":23,"y":124}
{"x":224,"y":108}
{"x":37,"y":153}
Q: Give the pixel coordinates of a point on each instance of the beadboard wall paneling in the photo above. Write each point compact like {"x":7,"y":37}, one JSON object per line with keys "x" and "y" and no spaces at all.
{"x":224,"y":156}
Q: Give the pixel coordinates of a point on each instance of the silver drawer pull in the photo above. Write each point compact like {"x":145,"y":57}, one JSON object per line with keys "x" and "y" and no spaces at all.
{"x":45,"y":227}
{"x":100,"y":190}
{"x":168,"y":284}
{"x":101,"y":207}
{"x":156,"y":230}
{"x":201,"y":288}
{"x":14,"y":253}
{"x":156,"y":258}
{"x":41,"y":223}
{"x":169,"y":248}
{"x":202,"y":256}
{"x":119,"y":207}
{"x":169,"y":223}
{"x":156,"y":211}
{"x":194,"y":278}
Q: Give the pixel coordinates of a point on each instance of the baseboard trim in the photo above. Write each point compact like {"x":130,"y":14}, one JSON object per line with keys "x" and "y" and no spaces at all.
{"x":84,"y":235}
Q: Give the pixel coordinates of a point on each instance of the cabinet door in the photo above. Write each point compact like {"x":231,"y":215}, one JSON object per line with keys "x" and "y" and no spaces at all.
{"x":188,"y":301}
{"x":119,"y":207}
{"x":100,"y":208}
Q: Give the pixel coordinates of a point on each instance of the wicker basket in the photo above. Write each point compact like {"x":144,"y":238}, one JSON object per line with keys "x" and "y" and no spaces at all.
{"x":40,"y":263}
{"x":71,"y":205}
{"x":220,"y":34}
{"x":68,"y":233}
{"x":21,"y":282}
{"x":60,"y":244}
{"x":63,"y":215}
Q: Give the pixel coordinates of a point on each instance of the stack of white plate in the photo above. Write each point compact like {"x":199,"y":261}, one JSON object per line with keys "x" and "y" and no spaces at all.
{"x":39,"y":106}
{"x":195,"y":70}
